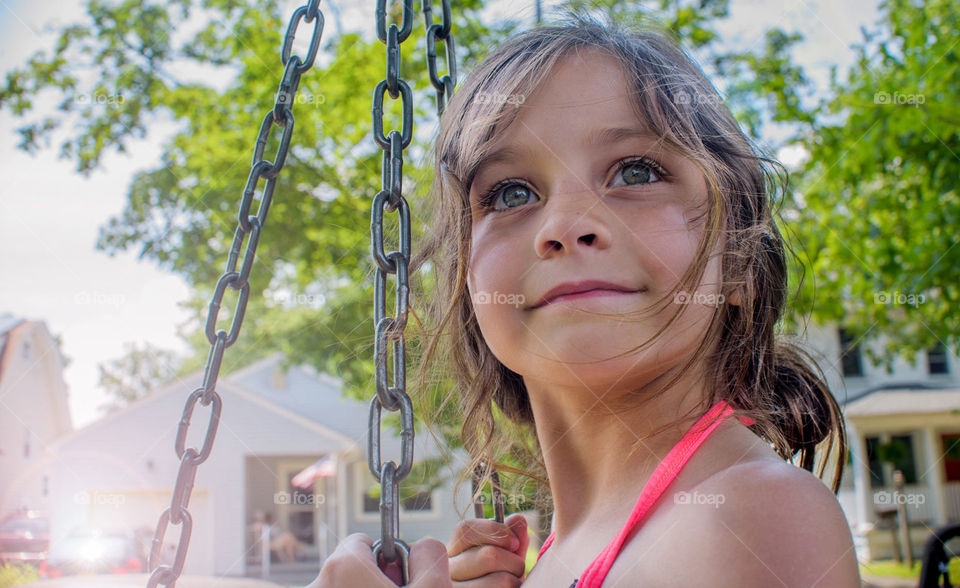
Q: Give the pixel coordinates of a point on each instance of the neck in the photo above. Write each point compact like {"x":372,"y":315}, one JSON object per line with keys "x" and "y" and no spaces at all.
{"x":599,"y":456}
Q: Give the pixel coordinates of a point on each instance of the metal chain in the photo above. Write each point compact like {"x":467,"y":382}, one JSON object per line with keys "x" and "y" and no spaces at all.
{"x":249,"y":227}
{"x":440,"y":32}
{"x":444,"y":86}
{"x":495,"y":490}
{"x":390,"y":198}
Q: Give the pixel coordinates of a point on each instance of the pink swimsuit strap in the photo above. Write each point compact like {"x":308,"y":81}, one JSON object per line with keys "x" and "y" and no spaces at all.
{"x":665,"y":473}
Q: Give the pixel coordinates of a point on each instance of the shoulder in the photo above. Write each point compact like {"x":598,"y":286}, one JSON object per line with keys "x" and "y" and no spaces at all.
{"x":777,"y":524}
{"x":758,"y":523}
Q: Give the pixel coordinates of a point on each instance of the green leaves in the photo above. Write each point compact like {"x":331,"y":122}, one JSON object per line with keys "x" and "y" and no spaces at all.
{"x":881,"y":185}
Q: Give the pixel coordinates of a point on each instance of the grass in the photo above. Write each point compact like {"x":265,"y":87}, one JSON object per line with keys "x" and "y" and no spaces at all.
{"x":893,"y":569}
{"x":531,"y":558}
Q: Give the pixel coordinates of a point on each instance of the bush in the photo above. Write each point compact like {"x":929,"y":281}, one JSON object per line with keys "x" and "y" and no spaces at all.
{"x":11,"y":575}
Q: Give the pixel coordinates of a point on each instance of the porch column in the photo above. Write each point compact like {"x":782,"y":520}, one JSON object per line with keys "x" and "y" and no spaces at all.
{"x":861,"y":478}
{"x":933,"y":474}
{"x":343,"y":500}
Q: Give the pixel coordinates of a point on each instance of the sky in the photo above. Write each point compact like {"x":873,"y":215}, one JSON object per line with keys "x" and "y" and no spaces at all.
{"x":51,"y":215}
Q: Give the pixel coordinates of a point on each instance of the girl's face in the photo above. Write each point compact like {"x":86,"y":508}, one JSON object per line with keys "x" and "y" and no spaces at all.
{"x":576,"y":190}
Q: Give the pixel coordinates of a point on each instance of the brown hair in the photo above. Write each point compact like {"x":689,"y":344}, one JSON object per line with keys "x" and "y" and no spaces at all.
{"x":760,"y":375}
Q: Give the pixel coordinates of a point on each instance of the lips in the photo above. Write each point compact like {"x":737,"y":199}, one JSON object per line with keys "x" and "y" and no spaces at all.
{"x":579,"y":287}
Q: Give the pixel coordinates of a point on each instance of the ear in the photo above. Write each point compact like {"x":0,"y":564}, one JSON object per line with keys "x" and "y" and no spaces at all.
{"x":735,"y":298}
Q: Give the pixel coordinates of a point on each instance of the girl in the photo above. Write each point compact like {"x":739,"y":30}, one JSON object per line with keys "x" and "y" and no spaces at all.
{"x":609,"y":274}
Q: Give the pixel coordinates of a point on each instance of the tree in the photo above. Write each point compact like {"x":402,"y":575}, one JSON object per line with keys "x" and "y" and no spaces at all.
{"x":877,"y":205}
{"x":135,"y":375}
{"x":310,"y":297}
{"x":119,"y":73}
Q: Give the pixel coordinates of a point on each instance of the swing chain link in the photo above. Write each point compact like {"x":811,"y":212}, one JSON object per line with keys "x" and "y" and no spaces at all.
{"x":390,"y":548}
{"x":249,"y":227}
{"x":440,"y":32}
{"x":444,"y":86}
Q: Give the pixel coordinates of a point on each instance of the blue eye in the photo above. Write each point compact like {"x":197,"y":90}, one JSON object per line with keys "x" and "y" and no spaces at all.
{"x":642,"y":171}
{"x":512,"y":193}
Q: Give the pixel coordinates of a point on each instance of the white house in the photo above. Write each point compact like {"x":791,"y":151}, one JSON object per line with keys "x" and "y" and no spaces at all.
{"x":119,"y":471}
{"x":33,"y":412}
{"x":914,"y":407}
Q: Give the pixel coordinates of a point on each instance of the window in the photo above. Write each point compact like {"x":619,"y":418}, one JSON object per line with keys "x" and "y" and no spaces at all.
{"x":907,"y":463}
{"x":413,"y":503}
{"x":850,"y":355}
{"x":937,"y":360}
{"x":898,"y":452}
{"x":370,"y":504}
{"x":421,"y":501}
{"x":300,"y":509}
{"x":876,"y":467}
{"x":951,"y":459}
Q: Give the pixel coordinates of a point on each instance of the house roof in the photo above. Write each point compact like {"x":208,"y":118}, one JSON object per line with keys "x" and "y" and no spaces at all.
{"x":8,"y":323}
{"x":317,"y":397}
{"x":904,"y":401}
{"x":307,"y":398}
{"x":307,"y":393}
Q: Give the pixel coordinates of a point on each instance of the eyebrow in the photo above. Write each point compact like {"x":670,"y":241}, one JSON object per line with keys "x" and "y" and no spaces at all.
{"x":596,"y":138}
{"x":498,"y":156}
{"x":619,"y":134}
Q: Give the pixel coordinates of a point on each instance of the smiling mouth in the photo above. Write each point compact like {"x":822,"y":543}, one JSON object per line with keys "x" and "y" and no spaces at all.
{"x":595,"y":293}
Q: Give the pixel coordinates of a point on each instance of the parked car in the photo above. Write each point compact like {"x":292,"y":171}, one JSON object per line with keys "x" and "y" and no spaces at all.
{"x":24,"y":538}
{"x":95,"y":551}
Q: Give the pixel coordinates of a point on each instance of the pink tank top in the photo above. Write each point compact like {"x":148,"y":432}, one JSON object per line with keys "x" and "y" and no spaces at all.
{"x":665,"y":472}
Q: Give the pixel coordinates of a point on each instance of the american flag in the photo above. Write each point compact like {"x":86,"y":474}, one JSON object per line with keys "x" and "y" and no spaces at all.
{"x":325,"y":467}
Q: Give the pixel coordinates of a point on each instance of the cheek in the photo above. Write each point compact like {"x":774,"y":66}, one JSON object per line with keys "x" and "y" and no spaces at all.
{"x":493,"y":262}
{"x":488,"y":275}
{"x":493,"y":276}
{"x":667,"y":245}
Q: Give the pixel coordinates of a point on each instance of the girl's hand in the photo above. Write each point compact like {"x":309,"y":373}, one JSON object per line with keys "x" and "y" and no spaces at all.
{"x":484,"y":552}
{"x":352,"y":564}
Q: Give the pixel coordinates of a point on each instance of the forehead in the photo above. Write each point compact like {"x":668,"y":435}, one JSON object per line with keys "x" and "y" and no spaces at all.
{"x":585,"y":90}
{"x":584,"y":101}
{"x":582,"y":75}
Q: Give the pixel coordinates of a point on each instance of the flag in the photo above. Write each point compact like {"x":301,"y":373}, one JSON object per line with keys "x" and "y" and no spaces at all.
{"x":325,"y":467}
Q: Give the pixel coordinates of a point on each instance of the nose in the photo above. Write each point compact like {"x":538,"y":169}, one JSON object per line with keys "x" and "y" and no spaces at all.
{"x":573,"y":219}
